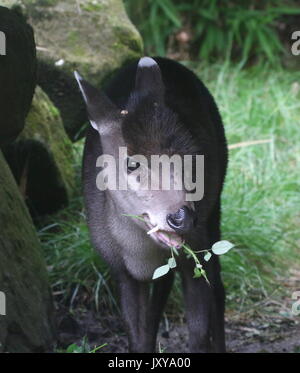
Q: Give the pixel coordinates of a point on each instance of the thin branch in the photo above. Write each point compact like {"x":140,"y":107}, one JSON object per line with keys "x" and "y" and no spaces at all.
{"x":42,"y":49}
{"x":248,"y":143}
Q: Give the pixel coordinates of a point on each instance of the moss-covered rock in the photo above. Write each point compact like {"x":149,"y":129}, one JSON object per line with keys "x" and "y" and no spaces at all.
{"x":28,"y":324}
{"x":17,"y":74}
{"x":94,"y":37}
{"x":42,"y":158}
{"x":44,"y":124}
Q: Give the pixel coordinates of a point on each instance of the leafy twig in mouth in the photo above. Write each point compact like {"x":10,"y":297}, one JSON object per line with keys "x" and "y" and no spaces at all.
{"x":218,"y":248}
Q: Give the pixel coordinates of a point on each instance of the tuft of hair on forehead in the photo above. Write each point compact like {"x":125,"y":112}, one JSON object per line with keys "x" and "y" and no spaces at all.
{"x":151,"y":127}
{"x":146,"y":62}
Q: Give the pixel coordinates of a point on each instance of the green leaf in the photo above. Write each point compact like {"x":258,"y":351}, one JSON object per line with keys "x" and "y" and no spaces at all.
{"x":284,"y":10}
{"x":156,"y":30}
{"x":197,"y":273}
{"x":172,"y":262}
{"x":161,"y":271}
{"x":170,"y":11}
{"x":248,"y":42}
{"x":211,"y":16}
{"x":207,"y":256}
{"x":221,"y":247}
{"x":265,"y":46}
{"x":74,"y":348}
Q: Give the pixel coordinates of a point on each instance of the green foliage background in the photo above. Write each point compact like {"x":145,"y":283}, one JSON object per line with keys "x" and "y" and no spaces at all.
{"x":226,"y":30}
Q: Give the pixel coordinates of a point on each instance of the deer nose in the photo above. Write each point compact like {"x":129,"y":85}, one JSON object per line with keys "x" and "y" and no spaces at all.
{"x":183,"y":220}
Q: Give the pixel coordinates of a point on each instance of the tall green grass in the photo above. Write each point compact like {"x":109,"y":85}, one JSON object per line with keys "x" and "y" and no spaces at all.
{"x":78,"y":275}
{"x":261,"y":197}
{"x":216,"y":30}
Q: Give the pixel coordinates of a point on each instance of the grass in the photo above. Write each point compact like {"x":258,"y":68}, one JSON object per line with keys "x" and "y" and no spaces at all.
{"x":261,"y":194}
{"x":261,"y":197}
{"x":83,"y":347}
{"x":78,"y":275}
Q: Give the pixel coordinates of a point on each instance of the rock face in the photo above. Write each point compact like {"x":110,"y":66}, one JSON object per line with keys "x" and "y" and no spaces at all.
{"x":94,"y":37}
{"x":41,"y":159}
{"x":17,"y":74}
{"x":28,"y":324}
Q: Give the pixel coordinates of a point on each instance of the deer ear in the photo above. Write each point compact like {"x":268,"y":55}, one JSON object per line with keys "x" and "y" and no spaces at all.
{"x":148,"y":80}
{"x":101,"y":111}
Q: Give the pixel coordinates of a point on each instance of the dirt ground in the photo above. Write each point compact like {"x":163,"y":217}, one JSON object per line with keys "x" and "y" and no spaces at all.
{"x":265,"y":326}
{"x":244,"y":333}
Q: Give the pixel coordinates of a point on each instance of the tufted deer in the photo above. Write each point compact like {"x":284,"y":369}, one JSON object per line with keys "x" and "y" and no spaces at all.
{"x":156,"y":106}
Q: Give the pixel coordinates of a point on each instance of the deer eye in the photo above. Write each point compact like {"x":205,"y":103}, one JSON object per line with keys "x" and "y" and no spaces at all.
{"x":131,"y":165}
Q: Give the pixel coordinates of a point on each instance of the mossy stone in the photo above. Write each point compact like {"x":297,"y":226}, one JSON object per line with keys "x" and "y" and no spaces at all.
{"x":28,"y":324}
{"x":41,"y":159}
